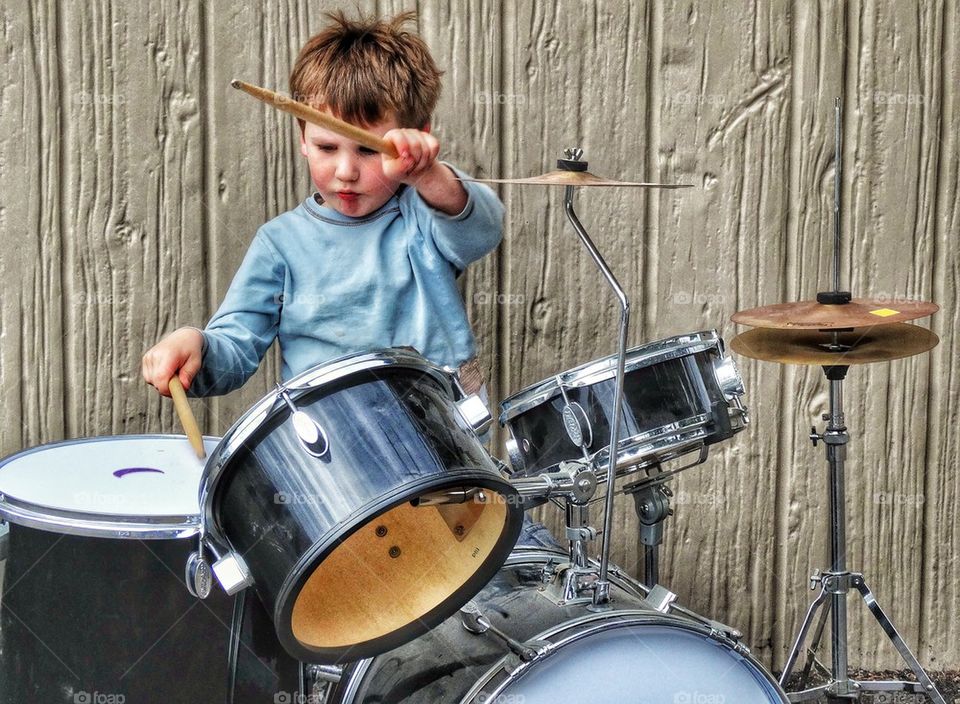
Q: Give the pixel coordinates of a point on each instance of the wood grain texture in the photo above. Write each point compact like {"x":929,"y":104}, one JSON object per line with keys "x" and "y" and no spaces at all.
{"x":563,"y":89}
{"x":132,"y":179}
{"x":939,"y":586}
{"x":890,"y":186}
{"x":723,"y":118}
{"x":32,"y":306}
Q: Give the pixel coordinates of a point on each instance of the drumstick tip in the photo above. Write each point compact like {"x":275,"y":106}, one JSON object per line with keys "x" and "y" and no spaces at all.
{"x":236,"y":83}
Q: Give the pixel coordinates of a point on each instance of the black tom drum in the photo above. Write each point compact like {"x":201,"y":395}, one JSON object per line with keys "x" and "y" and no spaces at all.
{"x":360,"y":504}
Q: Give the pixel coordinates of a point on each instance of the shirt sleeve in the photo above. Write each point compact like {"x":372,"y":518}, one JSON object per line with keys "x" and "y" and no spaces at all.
{"x":472,"y":233}
{"x":243,"y":328}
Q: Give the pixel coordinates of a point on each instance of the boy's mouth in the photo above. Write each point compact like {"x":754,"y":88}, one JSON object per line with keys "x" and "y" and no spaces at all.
{"x":348,"y":195}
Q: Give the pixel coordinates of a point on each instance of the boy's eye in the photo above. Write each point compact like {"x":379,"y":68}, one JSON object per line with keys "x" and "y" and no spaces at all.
{"x":326,"y":147}
{"x":366,"y":151}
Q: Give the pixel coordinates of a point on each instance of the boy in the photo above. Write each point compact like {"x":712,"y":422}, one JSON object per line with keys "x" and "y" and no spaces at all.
{"x":370,"y":260}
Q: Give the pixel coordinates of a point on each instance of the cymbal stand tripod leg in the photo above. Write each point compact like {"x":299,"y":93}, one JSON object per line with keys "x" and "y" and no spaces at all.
{"x":928,"y":687}
{"x":815,"y":606}
{"x":815,"y":645}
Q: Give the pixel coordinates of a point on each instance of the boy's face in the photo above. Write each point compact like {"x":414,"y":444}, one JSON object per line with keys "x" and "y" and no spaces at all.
{"x":348,"y":176}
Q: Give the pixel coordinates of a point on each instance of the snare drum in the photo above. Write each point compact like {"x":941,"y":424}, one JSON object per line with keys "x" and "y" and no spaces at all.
{"x":94,"y":607}
{"x":360,"y":504}
{"x":546,"y":653}
{"x":680,"y":395}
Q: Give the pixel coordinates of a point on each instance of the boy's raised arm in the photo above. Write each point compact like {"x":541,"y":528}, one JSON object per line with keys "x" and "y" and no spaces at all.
{"x":417,"y":166}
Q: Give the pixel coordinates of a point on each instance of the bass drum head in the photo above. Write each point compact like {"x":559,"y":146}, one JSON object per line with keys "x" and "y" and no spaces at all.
{"x":641,"y":662}
{"x":628,"y":654}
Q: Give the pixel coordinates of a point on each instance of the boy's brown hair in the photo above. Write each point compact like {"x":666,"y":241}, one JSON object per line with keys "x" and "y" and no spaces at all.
{"x":366,"y":69}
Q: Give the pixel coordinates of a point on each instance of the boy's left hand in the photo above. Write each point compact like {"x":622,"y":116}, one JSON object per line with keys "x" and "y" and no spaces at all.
{"x":417,"y":155}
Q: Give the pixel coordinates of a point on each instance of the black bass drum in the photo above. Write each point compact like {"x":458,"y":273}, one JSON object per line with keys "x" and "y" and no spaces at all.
{"x":94,"y":608}
{"x":538,"y":652}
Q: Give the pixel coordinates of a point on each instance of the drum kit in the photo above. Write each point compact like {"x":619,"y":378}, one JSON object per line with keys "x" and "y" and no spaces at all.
{"x":358,"y":504}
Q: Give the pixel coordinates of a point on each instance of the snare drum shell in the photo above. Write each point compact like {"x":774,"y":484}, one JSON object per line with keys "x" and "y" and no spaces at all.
{"x":674,"y":401}
{"x":393,"y":436}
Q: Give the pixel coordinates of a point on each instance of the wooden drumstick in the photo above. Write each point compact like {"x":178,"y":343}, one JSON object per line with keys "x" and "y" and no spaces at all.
{"x":187,"y":420}
{"x":305,"y":112}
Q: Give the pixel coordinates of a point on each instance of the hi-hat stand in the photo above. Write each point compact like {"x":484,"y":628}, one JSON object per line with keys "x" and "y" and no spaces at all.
{"x":838,"y":581}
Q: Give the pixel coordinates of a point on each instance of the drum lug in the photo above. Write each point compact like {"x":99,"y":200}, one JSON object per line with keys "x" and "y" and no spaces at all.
{"x":728,"y":378}
{"x":660,"y":599}
{"x":514,"y":454}
{"x":232,"y":573}
{"x":325,"y":673}
{"x":475,"y":413}
{"x":322,"y":681}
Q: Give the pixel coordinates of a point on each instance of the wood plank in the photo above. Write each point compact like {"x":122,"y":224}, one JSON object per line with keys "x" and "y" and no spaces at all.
{"x":724,"y":123}
{"x":132,"y":207}
{"x":31,"y":259}
{"x":575,"y":70}
{"x":939,"y":586}
{"x":892,"y":95}
{"x":817,"y":38}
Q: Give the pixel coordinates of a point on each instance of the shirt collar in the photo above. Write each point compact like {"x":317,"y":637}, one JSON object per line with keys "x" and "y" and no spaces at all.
{"x":315,"y":205}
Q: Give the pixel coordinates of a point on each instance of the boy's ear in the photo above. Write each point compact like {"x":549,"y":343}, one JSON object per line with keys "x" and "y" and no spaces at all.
{"x":426,"y":127}
{"x":303,"y":138}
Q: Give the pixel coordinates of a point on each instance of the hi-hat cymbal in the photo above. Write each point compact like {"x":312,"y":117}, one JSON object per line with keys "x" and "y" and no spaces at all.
{"x":575,"y":178}
{"x":879,"y":343}
{"x":858,"y":313}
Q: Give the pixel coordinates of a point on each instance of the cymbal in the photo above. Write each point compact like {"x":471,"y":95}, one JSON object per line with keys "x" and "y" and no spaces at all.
{"x":810,"y":315}
{"x":575,"y":178}
{"x":879,"y":343}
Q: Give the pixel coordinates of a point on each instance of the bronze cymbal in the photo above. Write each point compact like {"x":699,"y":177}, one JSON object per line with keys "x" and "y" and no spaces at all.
{"x":879,"y":343}
{"x":810,"y":315}
{"x":575,"y":178}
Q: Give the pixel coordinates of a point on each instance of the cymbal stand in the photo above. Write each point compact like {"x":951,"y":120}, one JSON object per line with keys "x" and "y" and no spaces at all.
{"x":838,"y":581}
{"x":601,"y":592}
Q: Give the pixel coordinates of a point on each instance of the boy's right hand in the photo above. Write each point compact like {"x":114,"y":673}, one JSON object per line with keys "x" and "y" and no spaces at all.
{"x":180,"y":353}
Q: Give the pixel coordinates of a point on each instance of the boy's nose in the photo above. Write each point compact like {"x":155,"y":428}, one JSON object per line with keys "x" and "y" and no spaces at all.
{"x":347,"y":168}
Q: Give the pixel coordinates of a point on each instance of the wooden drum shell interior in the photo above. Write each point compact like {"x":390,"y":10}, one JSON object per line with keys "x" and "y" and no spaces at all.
{"x":399,"y":566}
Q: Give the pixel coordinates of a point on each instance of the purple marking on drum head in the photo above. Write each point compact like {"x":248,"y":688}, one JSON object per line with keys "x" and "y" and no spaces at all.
{"x":120,"y":473}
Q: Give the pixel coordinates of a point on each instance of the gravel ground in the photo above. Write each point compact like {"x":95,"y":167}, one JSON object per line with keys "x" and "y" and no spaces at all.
{"x":947,"y":682}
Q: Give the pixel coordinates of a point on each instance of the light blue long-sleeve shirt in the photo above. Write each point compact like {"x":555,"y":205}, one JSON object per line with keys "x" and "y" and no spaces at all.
{"x":326,"y":284}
